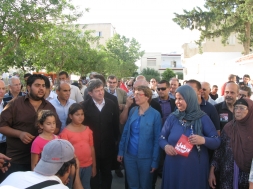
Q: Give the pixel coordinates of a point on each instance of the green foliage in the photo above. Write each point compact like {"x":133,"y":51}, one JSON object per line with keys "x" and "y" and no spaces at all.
{"x":27,"y":19}
{"x":36,"y":35}
{"x":180,"y":75}
{"x":150,"y":73}
{"x":220,"y":19}
{"x":122,"y":53}
{"x":168,"y":74}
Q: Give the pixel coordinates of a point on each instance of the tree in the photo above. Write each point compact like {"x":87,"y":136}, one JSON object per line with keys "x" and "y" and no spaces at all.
{"x":150,"y":73}
{"x":168,"y":74}
{"x":122,"y":53}
{"x":180,"y":75}
{"x":221,"y":19}
{"x":27,"y":20}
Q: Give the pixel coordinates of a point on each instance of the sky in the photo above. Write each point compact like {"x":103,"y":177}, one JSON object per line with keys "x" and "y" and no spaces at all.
{"x":148,"y":21}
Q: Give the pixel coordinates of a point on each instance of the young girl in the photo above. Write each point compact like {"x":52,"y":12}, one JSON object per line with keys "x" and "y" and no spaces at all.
{"x":46,"y":124}
{"x":81,"y":137}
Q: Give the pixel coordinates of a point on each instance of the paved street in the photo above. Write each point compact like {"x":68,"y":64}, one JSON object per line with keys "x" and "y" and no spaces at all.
{"x":119,"y":183}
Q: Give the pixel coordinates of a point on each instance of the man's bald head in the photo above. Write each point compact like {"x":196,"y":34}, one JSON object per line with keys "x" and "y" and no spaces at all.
{"x":140,"y":82}
{"x":140,"y":77}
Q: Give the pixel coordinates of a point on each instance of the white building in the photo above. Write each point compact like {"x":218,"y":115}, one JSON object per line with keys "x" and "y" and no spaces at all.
{"x":215,"y":63}
{"x":103,"y":30}
{"x":160,"y":61}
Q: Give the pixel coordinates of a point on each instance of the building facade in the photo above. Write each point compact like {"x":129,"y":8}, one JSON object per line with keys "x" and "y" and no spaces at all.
{"x":160,"y":62}
{"x":103,"y":30}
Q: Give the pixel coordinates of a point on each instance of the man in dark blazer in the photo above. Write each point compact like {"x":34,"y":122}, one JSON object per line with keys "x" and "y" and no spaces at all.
{"x":167,"y":104}
{"x":102,"y":116}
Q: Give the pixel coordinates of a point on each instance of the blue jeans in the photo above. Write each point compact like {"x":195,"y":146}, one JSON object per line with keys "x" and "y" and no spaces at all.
{"x":138,"y":172}
{"x":85,"y":175}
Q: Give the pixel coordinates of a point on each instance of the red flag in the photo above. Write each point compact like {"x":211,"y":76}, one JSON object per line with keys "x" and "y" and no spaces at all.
{"x":122,"y":86}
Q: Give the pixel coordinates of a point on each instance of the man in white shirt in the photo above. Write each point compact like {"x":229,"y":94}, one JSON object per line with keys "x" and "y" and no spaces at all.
{"x":62,"y":102}
{"x":75,"y":93}
{"x":53,"y":169}
{"x":206,"y":89}
{"x":49,"y":94}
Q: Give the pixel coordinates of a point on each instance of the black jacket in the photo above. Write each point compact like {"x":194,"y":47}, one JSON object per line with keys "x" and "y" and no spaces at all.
{"x":104,"y":125}
{"x":172,"y":103}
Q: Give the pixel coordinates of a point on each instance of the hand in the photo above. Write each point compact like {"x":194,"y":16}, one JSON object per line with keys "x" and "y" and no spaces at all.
{"x":170,"y":150}
{"x":152,"y":170}
{"x":94,"y":171}
{"x":4,"y":158}
{"x":121,"y":106}
{"x":196,"y":140}
{"x":119,"y":159}
{"x":212,"y":179}
{"x":26,"y":137}
{"x":129,"y":101}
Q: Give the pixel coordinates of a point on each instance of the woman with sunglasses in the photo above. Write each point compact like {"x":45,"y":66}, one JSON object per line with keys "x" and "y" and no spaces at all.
{"x":139,"y":141}
{"x":233,"y":158}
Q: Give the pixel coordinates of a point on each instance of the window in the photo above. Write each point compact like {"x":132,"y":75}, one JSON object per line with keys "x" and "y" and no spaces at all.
{"x":173,"y":64}
{"x":99,"y":34}
{"x":151,"y":62}
{"x":231,"y":39}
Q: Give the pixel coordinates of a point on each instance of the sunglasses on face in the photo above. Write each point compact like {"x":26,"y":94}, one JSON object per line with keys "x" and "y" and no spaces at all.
{"x":162,"y":88}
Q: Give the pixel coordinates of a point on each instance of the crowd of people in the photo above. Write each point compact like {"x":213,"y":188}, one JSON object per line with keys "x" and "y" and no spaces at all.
{"x":76,"y":135}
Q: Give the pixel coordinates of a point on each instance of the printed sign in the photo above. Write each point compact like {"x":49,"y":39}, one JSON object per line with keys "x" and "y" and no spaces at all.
{"x":224,"y":117}
{"x":183,"y":147}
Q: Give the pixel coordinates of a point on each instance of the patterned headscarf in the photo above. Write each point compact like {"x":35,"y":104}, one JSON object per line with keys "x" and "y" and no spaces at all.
{"x":193,"y":113}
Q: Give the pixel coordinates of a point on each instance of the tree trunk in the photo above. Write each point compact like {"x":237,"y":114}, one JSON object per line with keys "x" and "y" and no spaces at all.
{"x":246,"y":44}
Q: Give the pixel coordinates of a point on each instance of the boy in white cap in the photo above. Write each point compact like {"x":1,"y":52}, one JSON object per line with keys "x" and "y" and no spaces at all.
{"x":52,"y":171}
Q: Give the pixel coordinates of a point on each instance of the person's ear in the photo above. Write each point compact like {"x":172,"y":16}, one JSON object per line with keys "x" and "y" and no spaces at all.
{"x":28,"y":87}
{"x":70,"y":116}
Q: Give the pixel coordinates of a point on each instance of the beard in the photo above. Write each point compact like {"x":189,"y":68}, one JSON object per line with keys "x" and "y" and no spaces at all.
{"x":34,"y":96}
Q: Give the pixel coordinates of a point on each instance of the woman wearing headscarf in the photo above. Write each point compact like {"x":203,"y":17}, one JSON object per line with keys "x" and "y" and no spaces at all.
{"x":190,"y":172}
{"x":234,"y":156}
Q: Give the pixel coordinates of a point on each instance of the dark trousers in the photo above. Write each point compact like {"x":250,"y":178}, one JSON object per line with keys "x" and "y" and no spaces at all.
{"x":14,"y":168}
{"x":159,"y":170}
{"x":3,"y":147}
{"x":3,"y":151}
{"x":103,"y":178}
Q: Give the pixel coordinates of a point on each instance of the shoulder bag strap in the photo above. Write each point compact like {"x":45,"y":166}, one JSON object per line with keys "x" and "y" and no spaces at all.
{"x":43,"y":184}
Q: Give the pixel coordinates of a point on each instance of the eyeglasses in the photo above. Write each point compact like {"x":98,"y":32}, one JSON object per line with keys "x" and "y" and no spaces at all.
{"x":162,"y":88}
{"x":138,"y":94}
{"x":241,"y":108}
{"x":204,"y":89}
{"x":112,"y":82}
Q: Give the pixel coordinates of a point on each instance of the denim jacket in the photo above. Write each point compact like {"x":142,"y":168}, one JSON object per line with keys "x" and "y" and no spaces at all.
{"x":150,"y":128}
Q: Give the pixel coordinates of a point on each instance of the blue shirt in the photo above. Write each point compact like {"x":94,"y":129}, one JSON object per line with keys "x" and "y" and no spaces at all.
{"x":211,"y":111}
{"x":166,"y":108}
{"x":171,"y":95}
{"x":134,"y":137}
{"x":61,"y":110}
{"x":8,"y":96}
